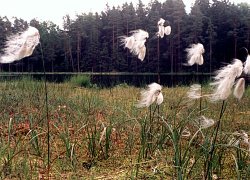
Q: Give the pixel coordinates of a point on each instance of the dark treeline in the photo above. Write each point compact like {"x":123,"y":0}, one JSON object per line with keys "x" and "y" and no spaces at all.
{"x":90,"y":42}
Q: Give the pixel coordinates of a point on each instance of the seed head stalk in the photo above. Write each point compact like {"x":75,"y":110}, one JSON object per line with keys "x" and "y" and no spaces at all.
{"x":211,"y":152}
{"x":47,"y":111}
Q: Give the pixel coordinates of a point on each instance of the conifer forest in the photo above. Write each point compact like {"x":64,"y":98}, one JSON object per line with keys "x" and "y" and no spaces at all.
{"x":91,"y":42}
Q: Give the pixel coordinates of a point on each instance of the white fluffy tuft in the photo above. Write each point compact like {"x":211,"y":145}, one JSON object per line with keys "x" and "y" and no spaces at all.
{"x":167,"y":30}
{"x":20,"y":45}
{"x":205,"y":122}
{"x":239,"y":88}
{"x":161,"y":22}
{"x":128,"y":42}
{"x":150,"y":95}
{"x":194,"y":91}
{"x":136,"y":43}
{"x":224,"y":80}
{"x":247,"y":65}
{"x":194,"y":54}
{"x":163,"y":30}
{"x":159,"y":99}
{"x":141,"y":53}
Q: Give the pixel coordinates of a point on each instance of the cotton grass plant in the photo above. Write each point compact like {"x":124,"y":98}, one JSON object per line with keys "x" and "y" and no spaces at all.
{"x":224,"y":81}
{"x":174,"y":130}
{"x":153,"y":94}
{"x":195,"y":56}
{"x":185,"y":157}
{"x":19,"y":46}
{"x":162,"y":30}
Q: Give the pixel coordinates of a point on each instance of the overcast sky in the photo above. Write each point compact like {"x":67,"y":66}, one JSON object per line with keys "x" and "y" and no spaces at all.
{"x":54,"y":10}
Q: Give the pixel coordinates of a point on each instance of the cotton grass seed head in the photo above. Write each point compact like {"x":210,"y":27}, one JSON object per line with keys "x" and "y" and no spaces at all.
{"x":139,"y":34}
{"x":152,"y":94}
{"x":167,"y":30}
{"x":162,"y":29}
{"x":159,"y":99}
{"x":239,"y":88}
{"x":239,"y":137}
{"x":20,"y":45}
{"x":136,"y":43}
{"x":194,"y":54}
{"x":194,"y":91}
{"x":128,"y":42}
{"x":161,"y":22}
{"x":225,"y":79}
{"x":247,"y":65}
{"x":205,"y":122}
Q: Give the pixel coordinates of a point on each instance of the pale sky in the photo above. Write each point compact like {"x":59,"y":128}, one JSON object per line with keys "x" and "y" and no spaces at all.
{"x":54,"y":10}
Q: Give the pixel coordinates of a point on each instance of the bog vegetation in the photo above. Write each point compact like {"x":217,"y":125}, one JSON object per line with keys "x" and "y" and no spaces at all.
{"x":101,"y":133}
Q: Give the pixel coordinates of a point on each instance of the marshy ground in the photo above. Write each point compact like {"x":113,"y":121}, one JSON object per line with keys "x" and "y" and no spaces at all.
{"x":98,"y":133}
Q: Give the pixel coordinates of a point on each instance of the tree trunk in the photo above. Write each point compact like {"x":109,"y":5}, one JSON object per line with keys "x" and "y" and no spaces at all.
{"x":78,"y":51}
{"x":158,"y":60}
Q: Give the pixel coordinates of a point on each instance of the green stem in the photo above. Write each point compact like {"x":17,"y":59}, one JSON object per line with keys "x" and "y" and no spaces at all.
{"x":47,"y":108}
{"x":211,"y":153}
{"x":201,"y":100}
